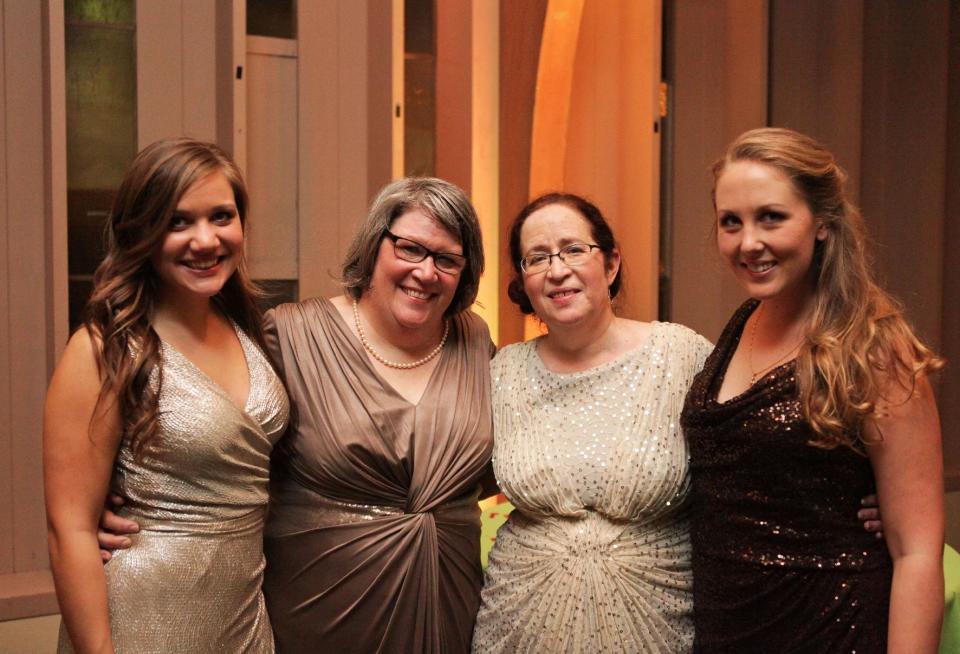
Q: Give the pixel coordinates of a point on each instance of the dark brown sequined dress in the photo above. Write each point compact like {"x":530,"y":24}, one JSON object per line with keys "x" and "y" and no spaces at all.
{"x":780,"y":561}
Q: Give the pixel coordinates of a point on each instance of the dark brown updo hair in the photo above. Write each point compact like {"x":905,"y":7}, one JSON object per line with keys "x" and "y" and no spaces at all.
{"x":599,"y":230}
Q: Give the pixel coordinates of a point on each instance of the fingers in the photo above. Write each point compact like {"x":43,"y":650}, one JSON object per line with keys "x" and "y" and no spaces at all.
{"x":869,"y":500}
{"x":114,"y":500}
{"x":871,"y":514}
{"x":109,"y":541}
{"x":111,"y":522}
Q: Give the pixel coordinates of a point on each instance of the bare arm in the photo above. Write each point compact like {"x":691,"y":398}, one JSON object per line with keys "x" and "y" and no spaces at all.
{"x":908,"y":466}
{"x":79,"y":447}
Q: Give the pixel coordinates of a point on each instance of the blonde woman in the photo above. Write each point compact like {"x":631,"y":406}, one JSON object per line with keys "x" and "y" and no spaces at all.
{"x":816,"y":395}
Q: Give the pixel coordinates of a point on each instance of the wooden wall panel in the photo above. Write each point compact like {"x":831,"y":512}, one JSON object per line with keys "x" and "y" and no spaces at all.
{"x":454,"y":91}
{"x":341,"y":159}
{"x":6,"y":389}
{"x":272,"y":158}
{"x":950,"y":319}
{"x":904,"y":151}
{"x":26,"y":318}
{"x":521,"y":25}
{"x":718,"y":76}
{"x":816,"y":82}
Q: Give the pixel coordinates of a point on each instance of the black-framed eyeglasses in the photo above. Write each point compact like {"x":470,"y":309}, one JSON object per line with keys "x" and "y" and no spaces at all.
{"x":575,"y":254}
{"x":414,"y":252}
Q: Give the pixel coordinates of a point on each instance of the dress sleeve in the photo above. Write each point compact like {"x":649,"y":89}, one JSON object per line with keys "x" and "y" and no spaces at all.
{"x":272,"y":340}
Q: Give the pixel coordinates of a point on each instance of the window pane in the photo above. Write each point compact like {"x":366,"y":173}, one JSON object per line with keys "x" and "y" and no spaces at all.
{"x":277,"y":18}
{"x":101,"y":127}
{"x":420,"y":96}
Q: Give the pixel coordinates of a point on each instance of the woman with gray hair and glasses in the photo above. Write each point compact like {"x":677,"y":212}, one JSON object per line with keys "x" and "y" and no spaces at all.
{"x":372,"y":542}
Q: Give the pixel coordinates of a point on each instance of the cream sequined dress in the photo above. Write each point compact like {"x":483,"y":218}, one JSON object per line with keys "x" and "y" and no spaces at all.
{"x":596,"y":556}
{"x":191,"y":580}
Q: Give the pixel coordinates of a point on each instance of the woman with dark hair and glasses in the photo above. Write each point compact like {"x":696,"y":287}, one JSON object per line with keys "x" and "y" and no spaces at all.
{"x":373,"y":537}
{"x":596,"y":556}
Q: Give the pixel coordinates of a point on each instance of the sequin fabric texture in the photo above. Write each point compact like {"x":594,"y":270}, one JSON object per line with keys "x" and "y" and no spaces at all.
{"x":781,"y":562}
{"x":191,"y":580}
{"x":596,"y":556}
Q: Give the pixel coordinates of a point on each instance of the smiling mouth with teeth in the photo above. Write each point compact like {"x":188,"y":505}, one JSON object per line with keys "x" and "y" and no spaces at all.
{"x":202,"y":265}
{"x":759,"y":267}
{"x":557,"y":294}
{"x":420,"y":295}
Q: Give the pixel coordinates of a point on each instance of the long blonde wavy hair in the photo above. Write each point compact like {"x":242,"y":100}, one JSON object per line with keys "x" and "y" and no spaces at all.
{"x":120,"y":308}
{"x":857,"y":340}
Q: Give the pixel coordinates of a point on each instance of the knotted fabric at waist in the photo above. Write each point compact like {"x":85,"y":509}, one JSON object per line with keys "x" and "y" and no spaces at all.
{"x":294,"y":509}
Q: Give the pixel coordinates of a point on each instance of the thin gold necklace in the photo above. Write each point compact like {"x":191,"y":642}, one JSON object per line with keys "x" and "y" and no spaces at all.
{"x":755,"y":375}
{"x":393,"y":364}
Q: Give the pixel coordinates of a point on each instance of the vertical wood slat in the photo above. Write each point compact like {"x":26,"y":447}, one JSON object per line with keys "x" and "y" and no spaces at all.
{"x":904,"y":152}
{"x":816,"y":82}
{"x":454,"y":92}
{"x":950,"y":320}
{"x":6,"y":399}
{"x":159,"y":70}
{"x":341,"y":156}
{"x":26,"y":317}
{"x":521,"y":26}
{"x":719,"y":89}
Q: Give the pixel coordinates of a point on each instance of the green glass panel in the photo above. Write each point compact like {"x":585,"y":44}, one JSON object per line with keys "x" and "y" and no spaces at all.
{"x":101,"y":89}
{"x":111,"y":12}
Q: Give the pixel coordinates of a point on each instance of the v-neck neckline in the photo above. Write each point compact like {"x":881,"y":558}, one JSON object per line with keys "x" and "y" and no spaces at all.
{"x":209,"y":380}
{"x":362,"y":353}
{"x":730,"y":348}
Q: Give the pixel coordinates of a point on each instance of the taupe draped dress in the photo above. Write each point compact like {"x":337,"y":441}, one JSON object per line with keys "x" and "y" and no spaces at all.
{"x":373,"y":536}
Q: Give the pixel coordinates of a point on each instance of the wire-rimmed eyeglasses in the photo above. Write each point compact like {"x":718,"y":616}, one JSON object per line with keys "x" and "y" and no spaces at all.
{"x":575,"y":254}
{"x":414,"y":252}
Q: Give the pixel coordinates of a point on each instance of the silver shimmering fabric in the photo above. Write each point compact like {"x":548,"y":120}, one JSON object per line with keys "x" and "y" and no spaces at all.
{"x":191,"y":580}
{"x":596,"y":556}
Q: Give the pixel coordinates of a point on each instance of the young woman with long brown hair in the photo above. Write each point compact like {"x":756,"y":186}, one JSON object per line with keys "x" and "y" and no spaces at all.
{"x":164,"y":396}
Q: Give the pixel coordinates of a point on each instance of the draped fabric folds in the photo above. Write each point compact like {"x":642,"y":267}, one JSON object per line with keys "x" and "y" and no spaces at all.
{"x":373,"y":536}
{"x":780,"y":560}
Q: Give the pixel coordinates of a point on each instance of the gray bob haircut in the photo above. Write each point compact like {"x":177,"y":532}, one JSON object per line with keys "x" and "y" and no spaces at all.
{"x":440,"y":200}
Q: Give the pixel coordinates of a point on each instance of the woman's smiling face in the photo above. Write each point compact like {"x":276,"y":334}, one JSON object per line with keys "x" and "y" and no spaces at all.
{"x":415,"y":294}
{"x":565,"y":295}
{"x":765,"y":231}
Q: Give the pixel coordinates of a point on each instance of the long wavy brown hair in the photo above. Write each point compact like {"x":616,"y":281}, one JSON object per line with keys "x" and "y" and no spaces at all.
{"x":118,"y":314}
{"x":858,"y":342}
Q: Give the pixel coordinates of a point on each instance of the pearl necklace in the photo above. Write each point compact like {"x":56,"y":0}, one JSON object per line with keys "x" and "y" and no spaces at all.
{"x":755,"y":375}
{"x":393,"y":364}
